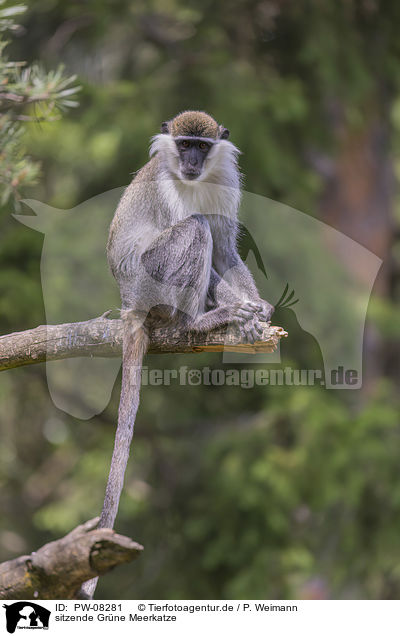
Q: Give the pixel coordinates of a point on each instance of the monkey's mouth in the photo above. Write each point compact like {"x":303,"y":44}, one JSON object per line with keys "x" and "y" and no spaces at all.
{"x":190,"y":175}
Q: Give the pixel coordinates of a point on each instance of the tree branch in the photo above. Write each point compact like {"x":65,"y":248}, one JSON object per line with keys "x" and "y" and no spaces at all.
{"x":57,"y":570}
{"x":102,"y":337}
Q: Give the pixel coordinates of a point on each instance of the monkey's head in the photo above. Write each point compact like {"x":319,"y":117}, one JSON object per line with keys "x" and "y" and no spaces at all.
{"x":190,"y":143}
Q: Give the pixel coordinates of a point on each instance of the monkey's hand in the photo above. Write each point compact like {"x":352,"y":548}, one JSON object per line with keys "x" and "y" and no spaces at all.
{"x":248,"y":317}
{"x":245,"y":311}
{"x":254,"y":313}
{"x":266,"y":310}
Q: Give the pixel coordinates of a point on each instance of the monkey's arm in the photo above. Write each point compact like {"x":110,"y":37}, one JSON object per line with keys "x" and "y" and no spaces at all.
{"x":230,"y":278}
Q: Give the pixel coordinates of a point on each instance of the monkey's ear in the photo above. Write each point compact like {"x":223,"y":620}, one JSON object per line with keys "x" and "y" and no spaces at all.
{"x":224,"y":133}
{"x":165,"y":128}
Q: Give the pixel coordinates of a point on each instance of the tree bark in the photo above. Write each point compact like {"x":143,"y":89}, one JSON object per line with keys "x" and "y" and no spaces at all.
{"x":58,"y":569}
{"x":103,"y":337}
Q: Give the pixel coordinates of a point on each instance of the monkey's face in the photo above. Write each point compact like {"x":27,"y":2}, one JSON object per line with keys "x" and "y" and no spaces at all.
{"x":193,"y":152}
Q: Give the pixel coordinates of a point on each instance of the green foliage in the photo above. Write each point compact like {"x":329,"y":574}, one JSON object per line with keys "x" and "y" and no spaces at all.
{"x":28,"y":93}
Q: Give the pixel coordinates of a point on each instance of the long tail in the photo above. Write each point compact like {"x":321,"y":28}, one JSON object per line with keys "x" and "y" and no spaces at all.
{"x":135,"y":344}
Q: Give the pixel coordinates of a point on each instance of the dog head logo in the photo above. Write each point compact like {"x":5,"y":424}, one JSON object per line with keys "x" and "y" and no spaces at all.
{"x":26,"y":615}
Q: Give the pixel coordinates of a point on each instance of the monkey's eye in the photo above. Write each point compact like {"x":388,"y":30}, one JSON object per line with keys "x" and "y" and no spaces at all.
{"x":185,"y":143}
{"x":203,"y":145}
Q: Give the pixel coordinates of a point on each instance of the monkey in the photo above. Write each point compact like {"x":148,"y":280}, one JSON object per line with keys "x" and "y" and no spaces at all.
{"x":172,"y":249}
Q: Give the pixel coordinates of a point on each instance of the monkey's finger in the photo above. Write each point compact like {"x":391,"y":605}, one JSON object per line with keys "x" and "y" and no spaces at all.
{"x":247,"y":308}
{"x":238,"y":320}
{"x":252,"y":306}
{"x":266,"y":312}
{"x":256,"y":325}
{"x":259,"y":329}
{"x":255,"y":335}
{"x":243,"y":313}
{"x":249,"y":334}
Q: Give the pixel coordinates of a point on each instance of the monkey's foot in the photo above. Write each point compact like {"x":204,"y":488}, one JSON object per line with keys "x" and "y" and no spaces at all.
{"x":251,"y":331}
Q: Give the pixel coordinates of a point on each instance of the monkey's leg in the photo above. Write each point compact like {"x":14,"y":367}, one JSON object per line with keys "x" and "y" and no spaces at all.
{"x":221,"y":294}
{"x":227,"y":307}
{"x":228,"y":264}
{"x":179,"y":263}
{"x":176,"y":266}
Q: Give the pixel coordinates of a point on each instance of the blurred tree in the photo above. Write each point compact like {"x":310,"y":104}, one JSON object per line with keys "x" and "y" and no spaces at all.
{"x":28,"y":93}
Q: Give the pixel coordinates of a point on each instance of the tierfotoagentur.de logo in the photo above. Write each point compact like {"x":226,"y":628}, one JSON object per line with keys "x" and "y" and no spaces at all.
{"x":280,"y":261}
